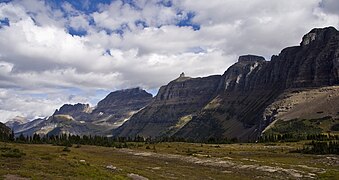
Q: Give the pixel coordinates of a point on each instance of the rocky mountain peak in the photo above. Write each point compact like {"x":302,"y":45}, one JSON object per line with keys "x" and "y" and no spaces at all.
{"x":239,"y":76}
{"x":18,"y":120}
{"x":73,"y":109}
{"x":250,"y":58}
{"x":134,"y":98}
{"x":182,"y":77}
{"x":124,"y":95}
{"x":318,"y":35}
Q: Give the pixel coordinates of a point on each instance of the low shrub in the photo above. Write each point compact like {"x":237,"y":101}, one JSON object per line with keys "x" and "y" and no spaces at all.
{"x":66,"y":149}
{"x":12,"y":153}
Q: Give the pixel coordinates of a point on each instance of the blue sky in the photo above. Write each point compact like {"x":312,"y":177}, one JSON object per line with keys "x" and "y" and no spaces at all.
{"x":70,"y":51}
{"x":88,"y":7}
{"x":84,"y":6}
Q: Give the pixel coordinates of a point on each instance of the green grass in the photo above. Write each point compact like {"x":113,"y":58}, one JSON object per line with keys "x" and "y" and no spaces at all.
{"x":166,"y":161}
{"x":11,"y":152}
{"x":305,"y":126}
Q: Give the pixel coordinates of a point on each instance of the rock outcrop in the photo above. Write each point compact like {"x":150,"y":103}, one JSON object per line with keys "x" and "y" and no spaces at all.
{"x":251,"y":58}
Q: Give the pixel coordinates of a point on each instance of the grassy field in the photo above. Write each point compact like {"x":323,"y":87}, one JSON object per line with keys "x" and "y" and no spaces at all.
{"x":167,"y":161}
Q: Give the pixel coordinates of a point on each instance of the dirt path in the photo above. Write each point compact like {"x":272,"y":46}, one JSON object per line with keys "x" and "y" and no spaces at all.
{"x":228,"y":165}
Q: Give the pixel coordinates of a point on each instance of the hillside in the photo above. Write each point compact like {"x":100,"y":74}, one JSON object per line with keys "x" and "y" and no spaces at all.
{"x":5,"y":132}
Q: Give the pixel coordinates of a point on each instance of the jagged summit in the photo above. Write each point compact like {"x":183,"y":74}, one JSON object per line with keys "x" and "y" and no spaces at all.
{"x":250,"y":58}
{"x":318,"y":35}
{"x":73,"y":109}
{"x":182,"y":77}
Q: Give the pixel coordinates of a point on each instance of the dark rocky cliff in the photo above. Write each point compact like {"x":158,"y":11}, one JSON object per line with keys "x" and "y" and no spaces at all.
{"x":249,"y":86}
{"x":312,"y":64}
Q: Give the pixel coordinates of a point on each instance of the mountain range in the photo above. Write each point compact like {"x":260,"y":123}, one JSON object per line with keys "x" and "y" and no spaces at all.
{"x":254,"y":96}
{"x":110,"y":113}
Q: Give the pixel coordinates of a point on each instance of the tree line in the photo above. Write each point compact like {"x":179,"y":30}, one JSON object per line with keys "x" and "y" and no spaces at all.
{"x":321,"y":143}
{"x":296,"y":137}
{"x":69,"y":140}
{"x":321,"y":147}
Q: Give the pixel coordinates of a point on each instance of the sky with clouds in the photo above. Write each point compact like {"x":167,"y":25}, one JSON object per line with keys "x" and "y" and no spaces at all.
{"x":67,"y":51}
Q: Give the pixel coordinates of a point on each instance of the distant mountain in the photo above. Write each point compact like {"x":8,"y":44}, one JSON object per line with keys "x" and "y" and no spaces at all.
{"x":81,"y":119}
{"x":245,"y":99}
{"x":26,"y":128}
{"x":77,"y":110}
{"x":119,"y":106}
{"x":16,"y":122}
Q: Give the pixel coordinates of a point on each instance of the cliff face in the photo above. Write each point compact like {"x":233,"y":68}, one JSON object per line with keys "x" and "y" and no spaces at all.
{"x":243,"y":75}
{"x":251,"y":85}
{"x":235,"y":110}
{"x":173,"y":105}
{"x":314,"y":63}
{"x":233,"y":105}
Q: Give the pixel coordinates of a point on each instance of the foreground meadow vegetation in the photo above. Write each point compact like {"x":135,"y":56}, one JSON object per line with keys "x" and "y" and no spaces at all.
{"x":165,"y":161}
